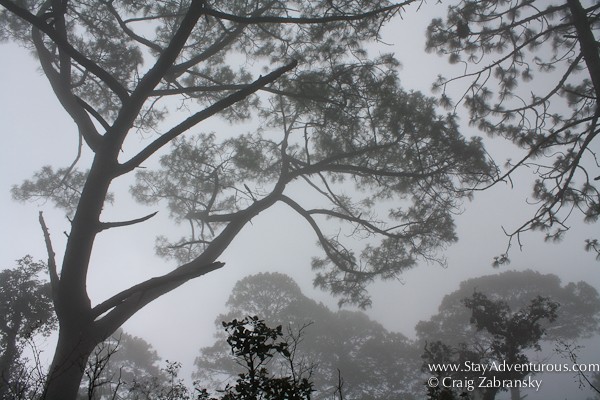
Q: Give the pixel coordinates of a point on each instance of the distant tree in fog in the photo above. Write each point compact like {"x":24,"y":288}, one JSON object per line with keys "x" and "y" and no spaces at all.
{"x":123,"y":367}
{"x":25,"y":312}
{"x":371,"y":362}
{"x":578,"y":315}
{"x":499,"y":318}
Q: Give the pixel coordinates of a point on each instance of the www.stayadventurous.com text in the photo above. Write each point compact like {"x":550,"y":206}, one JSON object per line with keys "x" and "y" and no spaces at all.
{"x":489,"y":379}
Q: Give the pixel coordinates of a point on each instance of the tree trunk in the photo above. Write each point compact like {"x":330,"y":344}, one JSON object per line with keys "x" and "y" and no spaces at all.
{"x":490,"y":394}
{"x":587,"y":42}
{"x":515,"y":393}
{"x":66,"y":371}
{"x":7,"y":361}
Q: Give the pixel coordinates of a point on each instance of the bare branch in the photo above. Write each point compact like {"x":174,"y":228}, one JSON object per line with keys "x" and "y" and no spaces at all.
{"x":109,"y":225}
{"x":54,"y":279}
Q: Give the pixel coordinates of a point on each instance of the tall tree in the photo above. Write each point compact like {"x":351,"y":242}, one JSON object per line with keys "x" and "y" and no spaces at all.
{"x":124,"y":367}
{"x":341,"y":346}
{"x":254,"y":345}
{"x":25,"y":311}
{"x":498,"y":318}
{"x":512,"y":334}
{"x":532,"y":74}
{"x":326,"y":114}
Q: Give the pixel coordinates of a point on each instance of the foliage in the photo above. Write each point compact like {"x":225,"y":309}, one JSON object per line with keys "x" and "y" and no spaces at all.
{"x":25,"y":312}
{"x":254,"y":345}
{"x":125,"y":367}
{"x":344,"y":350}
{"x":166,"y":386}
{"x":511,"y":332}
{"x":320,"y":114}
{"x":532,"y":74}
{"x":500,"y":318}
{"x":578,"y":316}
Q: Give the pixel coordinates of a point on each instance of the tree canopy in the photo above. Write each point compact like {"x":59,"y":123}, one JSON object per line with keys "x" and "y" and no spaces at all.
{"x":124,"y":367}
{"x":503,"y":318}
{"x":512,"y":333}
{"x":341,"y":348}
{"x":577,"y":317}
{"x":532,"y":76}
{"x":319,"y":112}
{"x":25,"y":312}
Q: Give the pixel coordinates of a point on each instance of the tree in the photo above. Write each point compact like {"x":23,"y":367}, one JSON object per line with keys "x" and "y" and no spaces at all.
{"x":25,"y":312}
{"x":126,"y":367}
{"x":512,"y":333}
{"x":532,"y":72}
{"x":254,"y":345}
{"x":499,"y":317}
{"x":327,"y":116}
{"x":578,"y":316}
{"x":340,"y":346}
{"x":123,"y":367}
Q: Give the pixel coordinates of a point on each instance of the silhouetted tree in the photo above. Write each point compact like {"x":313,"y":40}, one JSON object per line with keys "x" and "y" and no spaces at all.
{"x":578,"y":316}
{"x":372,"y":362}
{"x":25,"y":312}
{"x":512,"y":333}
{"x":498,"y":318}
{"x":123,"y":367}
{"x":327,"y":112}
{"x":254,"y":345}
{"x":532,"y":74}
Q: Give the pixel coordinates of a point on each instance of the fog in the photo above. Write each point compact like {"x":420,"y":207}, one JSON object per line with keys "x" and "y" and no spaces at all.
{"x":37,"y":132}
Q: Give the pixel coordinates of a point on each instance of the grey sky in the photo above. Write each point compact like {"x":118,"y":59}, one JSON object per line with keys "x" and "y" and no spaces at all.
{"x":37,"y":132}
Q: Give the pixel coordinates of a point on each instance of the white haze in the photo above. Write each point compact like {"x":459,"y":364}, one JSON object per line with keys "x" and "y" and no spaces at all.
{"x":36,"y":132}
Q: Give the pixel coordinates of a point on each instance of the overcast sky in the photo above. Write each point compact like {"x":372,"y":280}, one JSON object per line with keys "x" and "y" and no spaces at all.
{"x":36,"y":132}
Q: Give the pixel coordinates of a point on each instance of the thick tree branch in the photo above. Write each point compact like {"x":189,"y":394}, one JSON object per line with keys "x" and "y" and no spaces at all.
{"x":155,"y":286}
{"x":58,"y":14}
{"x":65,"y":46}
{"x":202,"y":115}
{"x":92,"y":111}
{"x":132,"y":107}
{"x":128,"y":302}
{"x":588,"y":43}
{"x":65,"y":96}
